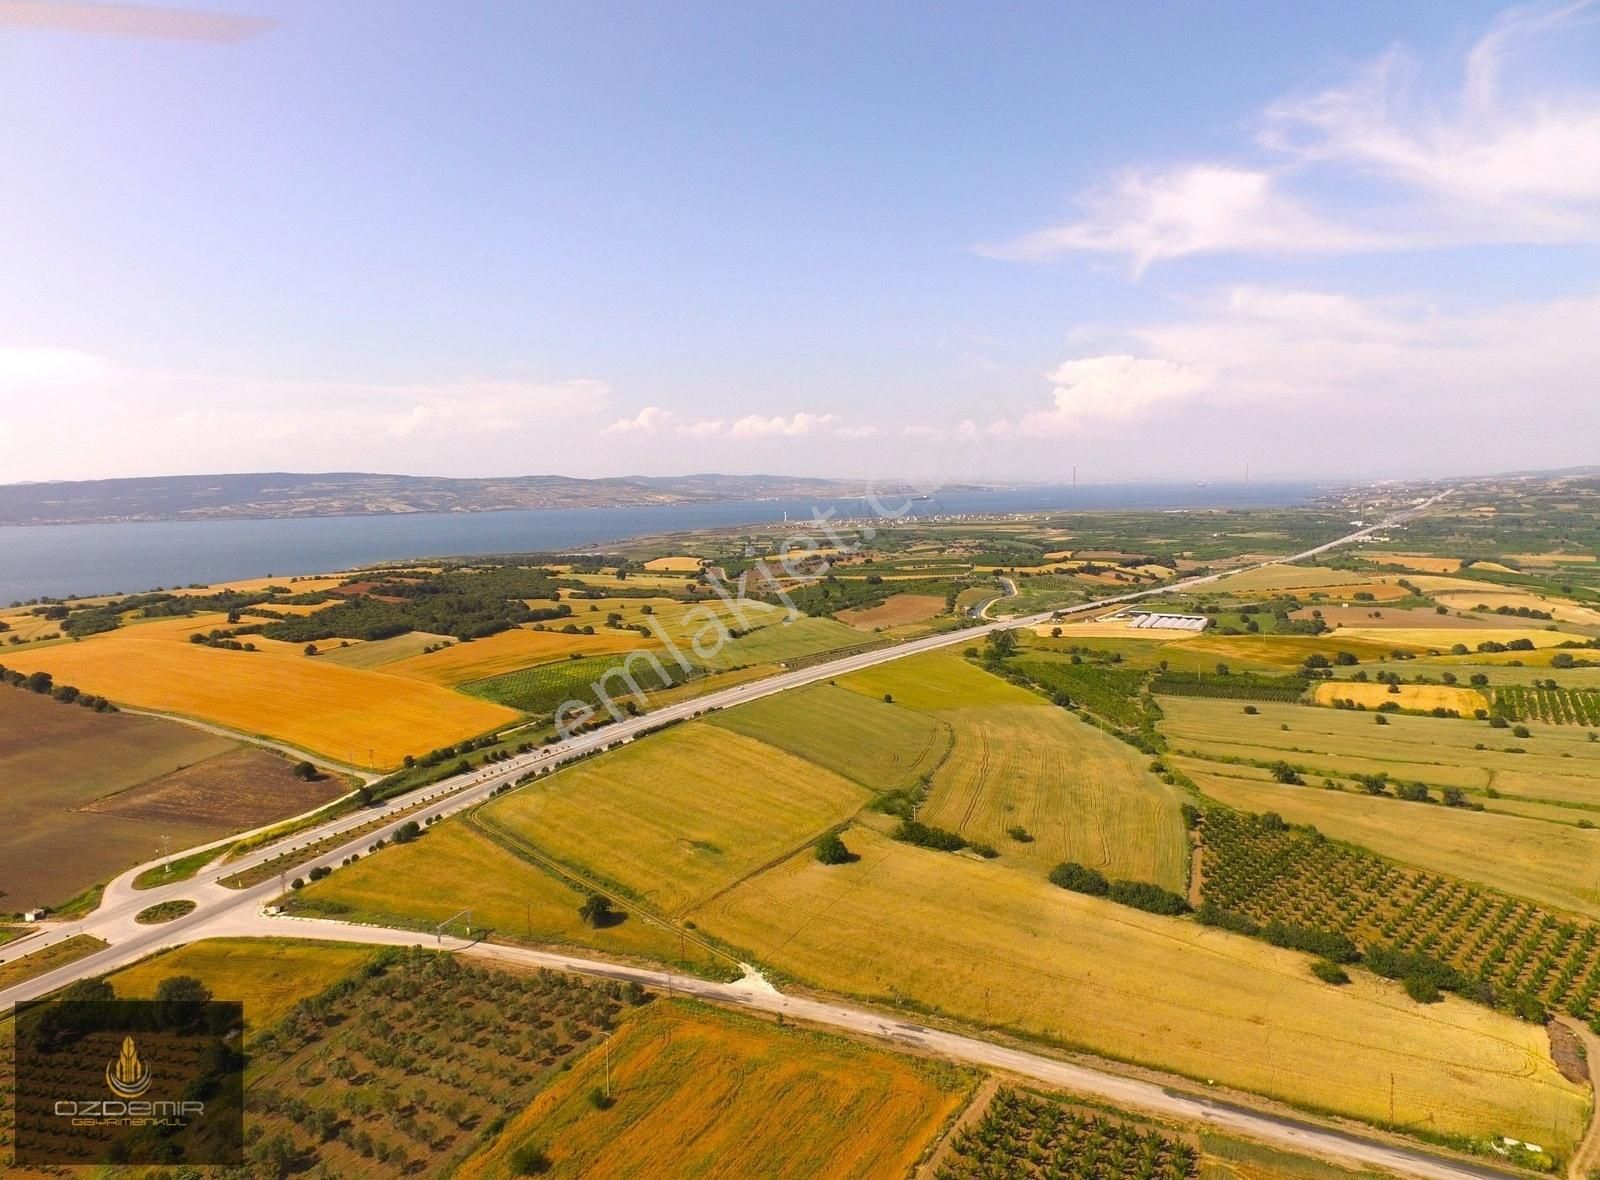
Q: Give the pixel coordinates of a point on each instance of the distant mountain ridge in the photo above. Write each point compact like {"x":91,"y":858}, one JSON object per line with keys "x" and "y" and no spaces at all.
{"x":352,"y":493}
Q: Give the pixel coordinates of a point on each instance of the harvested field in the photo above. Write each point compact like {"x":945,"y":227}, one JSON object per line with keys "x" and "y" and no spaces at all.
{"x":1382,"y":618}
{"x":380,"y":653}
{"x":1308,"y":577}
{"x":1340,"y":742}
{"x":232,"y":792}
{"x":882,"y":747}
{"x":57,"y":759}
{"x":1421,"y":562}
{"x":509,"y":651}
{"x":678,"y":564}
{"x":270,"y":975}
{"x":1423,"y":697}
{"x":353,"y":716}
{"x":701,"y":1092}
{"x":1006,"y":948}
{"x":898,"y":610}
{"x":1443,"y":637}
{"x":679,"y":815}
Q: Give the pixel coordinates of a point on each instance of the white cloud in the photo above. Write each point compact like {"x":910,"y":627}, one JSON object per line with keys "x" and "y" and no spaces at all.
{"x":650,"y":420}
{"x":1506,"y":155}
{"x":1329,"y":370}
{"x":1099,"y":389}
{"x":756,"y":426}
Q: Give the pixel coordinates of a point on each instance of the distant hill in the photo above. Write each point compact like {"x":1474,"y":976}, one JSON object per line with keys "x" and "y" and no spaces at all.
{"x":349,"y":493}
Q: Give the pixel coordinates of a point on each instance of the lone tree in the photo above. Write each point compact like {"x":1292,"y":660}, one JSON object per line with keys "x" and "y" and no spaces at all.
{"x":831,"y":850}
{"x":305,"y":772}
{"x":596,"y":910}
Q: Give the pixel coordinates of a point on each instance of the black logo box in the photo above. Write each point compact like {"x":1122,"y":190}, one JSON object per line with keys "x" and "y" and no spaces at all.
{"x":129,"y":1082}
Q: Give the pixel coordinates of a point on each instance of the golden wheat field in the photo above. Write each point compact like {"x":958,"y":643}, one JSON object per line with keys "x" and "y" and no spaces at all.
{"x":676,"y":564}
{"x":350,"y":715}
{"x":993,"y":944}
{"x":895,"y":611}
{"x":705,"y":1093}
{"x":1425,"y":697}
{"x":509,"y":651}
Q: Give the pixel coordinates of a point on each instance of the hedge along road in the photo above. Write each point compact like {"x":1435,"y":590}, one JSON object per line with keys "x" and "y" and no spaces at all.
{"x":114,"y":922}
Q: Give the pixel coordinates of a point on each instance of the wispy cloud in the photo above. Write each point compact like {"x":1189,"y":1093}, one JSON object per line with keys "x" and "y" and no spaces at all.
{"x":1506,"y":154}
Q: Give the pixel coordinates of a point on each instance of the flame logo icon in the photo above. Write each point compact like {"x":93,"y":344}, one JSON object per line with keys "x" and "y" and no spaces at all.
{"x":127,"y":1076}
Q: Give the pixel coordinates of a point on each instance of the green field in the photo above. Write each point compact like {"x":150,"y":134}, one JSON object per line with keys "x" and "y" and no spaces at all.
{"x":544,"y":688}
{"x":455,"y":867}
{"x":785,"y":640}
{"x":679,"y":815}
{"x":882,"y":747}
{"x":1018,"y":760}
{"x":1005,"y":948}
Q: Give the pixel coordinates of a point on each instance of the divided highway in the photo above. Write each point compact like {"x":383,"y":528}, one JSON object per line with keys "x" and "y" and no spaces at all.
{"x":222,"y":911}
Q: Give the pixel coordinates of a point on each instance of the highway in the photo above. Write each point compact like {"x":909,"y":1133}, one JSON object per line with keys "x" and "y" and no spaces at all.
{"x":223,"y":911}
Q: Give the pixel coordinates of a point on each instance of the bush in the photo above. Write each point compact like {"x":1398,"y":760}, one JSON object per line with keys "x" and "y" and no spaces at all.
{"x":1421,"y":989}
{"x":1079,"y":879}
{"x":923,"y":835}
{"x":1211,"y":914}
{"x":1252,"y":710}
{"x":529,"y":1160}
{"x":1330,"y":972}
{"x":1020,"y":834}
{"x":1151,"y":898}
{"x":407,"y":832}
{"x":831,"y":850}
{"x":1329,"y":944}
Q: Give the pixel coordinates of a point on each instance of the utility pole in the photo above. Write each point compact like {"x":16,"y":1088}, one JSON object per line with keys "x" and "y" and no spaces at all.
{"x":166,"y":855}
{"x":608,"y":1064}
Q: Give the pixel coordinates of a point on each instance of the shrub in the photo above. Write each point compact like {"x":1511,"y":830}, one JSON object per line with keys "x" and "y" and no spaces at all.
{"x":924,"y":835}
{"x":529,"y":1160}
{"x":1421,"y":989}
{"x":1153,"y":899}
{"x":1079,"y":879}
{"x":831,"y":850}
{"x":1330,"y":944}
{"x":1252,"y":710}
{"x":1330,"y":972}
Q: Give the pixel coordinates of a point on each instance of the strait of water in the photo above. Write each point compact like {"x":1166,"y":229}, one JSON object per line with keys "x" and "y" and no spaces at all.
{"x":83,"y":559}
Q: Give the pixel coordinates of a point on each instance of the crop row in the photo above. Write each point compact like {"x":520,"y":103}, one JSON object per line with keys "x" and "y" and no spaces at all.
{"x":1024,"y":1135}
{"x":1559,"y":706}
{"x":1513,"y":952}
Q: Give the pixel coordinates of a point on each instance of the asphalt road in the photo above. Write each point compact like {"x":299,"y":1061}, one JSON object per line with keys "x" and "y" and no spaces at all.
{"x":222,"y":911}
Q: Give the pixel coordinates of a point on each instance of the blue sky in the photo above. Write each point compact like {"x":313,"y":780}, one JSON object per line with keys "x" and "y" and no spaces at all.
{"x":959,"y":241}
